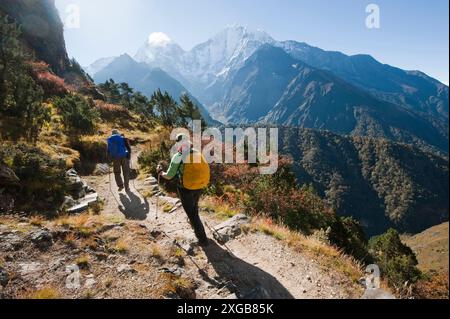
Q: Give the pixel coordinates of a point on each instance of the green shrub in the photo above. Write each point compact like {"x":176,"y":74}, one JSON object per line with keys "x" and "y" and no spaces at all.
{"x":93,"y":150}
{"x":347,"y":233}
{"x":42,"y":179}
{"x":397,"y":262}
{"x":78,"y":116}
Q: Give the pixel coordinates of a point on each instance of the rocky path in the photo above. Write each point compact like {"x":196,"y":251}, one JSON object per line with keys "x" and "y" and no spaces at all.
{"x":253,"y":265}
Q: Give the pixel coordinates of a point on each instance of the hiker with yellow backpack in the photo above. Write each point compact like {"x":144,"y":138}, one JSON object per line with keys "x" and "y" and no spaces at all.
{"x":193,"y":173}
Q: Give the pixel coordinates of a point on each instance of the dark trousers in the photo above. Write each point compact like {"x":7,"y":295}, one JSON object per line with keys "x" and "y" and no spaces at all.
{"x":122,"y":165}
{"x":189,"y":200}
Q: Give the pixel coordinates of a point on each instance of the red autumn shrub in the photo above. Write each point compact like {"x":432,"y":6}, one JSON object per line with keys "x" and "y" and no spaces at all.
{"x":51,"y":83}
{"x":276,"y":195}
{"x":111,"y":111}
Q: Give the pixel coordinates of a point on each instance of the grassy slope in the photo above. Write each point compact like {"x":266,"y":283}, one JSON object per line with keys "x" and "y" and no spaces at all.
{"x":431,"y":248}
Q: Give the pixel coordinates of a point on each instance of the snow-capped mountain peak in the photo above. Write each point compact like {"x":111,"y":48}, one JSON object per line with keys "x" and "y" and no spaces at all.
{"x":159,"y":50}
{"x":159,"y":39}
{"x":98,"y":65}
{"x":206,"y":62}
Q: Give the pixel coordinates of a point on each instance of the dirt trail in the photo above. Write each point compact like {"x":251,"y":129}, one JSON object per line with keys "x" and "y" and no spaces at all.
{"x":260,"y":266}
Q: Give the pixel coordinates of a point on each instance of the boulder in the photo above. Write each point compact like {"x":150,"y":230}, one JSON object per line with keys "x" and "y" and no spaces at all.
{"x":68,"y":202}
{"x":83,"y":204}
{"x":101,"y":169}
{"x":230,"y":229}
{"x":11,"y":242}
{"x":43,"y":239}
{"x":71,"y":173}
{"x":77,"y":187}
{"x":79,"y":208}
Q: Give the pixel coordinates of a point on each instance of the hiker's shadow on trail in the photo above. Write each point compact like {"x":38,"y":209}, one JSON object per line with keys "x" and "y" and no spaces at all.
{"x":248,"y":281}
{"x":133,"y":207}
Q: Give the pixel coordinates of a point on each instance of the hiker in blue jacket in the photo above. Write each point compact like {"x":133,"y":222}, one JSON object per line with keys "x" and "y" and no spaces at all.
{"x":118,"y":153}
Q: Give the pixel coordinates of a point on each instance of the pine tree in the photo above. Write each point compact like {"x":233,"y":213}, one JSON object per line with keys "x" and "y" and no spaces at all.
{"x":126,"y":93}
{"x":111,"y":91}
{"x":189,"y":112}
{"x":142,"y":105}
{"x":166,"y":106}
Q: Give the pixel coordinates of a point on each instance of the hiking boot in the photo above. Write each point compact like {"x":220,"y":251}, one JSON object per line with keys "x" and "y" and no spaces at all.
{"x":127,"y":189}
{"x":120,"y":188}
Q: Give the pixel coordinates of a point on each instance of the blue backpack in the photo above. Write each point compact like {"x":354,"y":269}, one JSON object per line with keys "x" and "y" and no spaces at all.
{"x":116,"y":147}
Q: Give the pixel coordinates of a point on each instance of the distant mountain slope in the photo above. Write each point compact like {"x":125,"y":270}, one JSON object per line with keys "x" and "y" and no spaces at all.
{"x":214,"y":72}
{"x":98,"y":65}
{"x":145,"y":79}
{"x":431,"y":248}
{"x":205,"y":69}
{"x":272,"y":87}
{"x":382,"y":184}
{"x":412,"y":89}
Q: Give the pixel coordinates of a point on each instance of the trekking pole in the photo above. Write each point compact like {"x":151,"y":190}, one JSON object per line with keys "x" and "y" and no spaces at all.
{"x":213,"y":231}
{"x":157,"y":195}
{"x":110,"y":188}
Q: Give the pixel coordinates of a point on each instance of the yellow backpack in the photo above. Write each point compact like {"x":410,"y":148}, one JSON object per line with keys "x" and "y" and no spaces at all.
{"x":196,"y":173}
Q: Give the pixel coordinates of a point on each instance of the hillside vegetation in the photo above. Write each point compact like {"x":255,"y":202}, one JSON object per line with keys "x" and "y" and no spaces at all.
{"x":380,"y":183}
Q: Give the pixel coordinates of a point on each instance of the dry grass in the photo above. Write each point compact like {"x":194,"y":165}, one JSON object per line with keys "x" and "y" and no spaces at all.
{"x":436,"y":287}
{"x":328,"y":256}
{"x":37,"y":220}
{"x":83,"y":262}
{"x":134,"y":130}
{"x":167,"y":207}
{"x":155,"y":251}
{"x":50,"y":147}
{"x":220,"y":208}
{"x":23,"y":228}
{"x":71,"y":240}
{"x":84,"y":224}
{"x":431,"y":248}
{"x":173,"y":285}
{"x":91,"y":243}
{"x":123,"y":245}
{"x":179,"y":253}
{"x":44,"y":293}
{"x":89,"y":294}
{"x":268,"y":227}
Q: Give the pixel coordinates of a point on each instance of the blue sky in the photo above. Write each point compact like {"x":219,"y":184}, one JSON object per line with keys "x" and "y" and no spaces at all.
{"x":413,"y":33}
